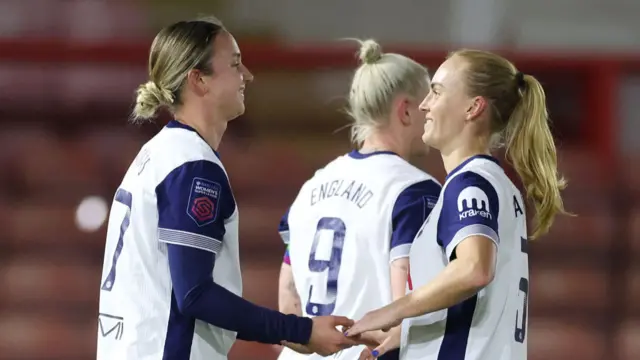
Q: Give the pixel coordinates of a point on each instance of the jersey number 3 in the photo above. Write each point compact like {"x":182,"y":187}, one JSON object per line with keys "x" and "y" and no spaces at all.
{"x":124,"y":197}
{"x":332,"y":266}
{"x":523,"y":288}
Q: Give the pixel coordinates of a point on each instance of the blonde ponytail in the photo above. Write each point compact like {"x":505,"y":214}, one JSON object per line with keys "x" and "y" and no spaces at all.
{"x":519,"y":117}
{"x":150,"y":97}
{"x":532,"y":152}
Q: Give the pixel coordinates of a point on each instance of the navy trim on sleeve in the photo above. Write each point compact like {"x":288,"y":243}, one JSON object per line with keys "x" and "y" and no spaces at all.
{"x":411,"y":210}
{"x":194,"y":200}
{"x":470,"y":207}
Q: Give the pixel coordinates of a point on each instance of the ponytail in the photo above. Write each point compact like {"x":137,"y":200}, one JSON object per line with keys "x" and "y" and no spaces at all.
{"x":532,"y":152}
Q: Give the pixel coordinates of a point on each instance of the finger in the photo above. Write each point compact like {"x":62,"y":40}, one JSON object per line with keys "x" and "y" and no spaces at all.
{"x":347,"y":341}
{"x":355,"y":330}
{"x":366,"y":354}
{"x":382,"y":348}
{"x":342,"y":321}
{"x":359,"y":327}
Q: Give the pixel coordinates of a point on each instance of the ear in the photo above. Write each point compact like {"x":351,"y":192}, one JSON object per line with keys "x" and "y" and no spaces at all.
{"x":196,"y":82}
{"x":401,"y":105}
{"x":477,"y":106}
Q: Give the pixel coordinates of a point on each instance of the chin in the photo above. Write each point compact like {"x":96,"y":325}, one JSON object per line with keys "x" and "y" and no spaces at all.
{"x":239,"y":112}
{"x":425,"y":138}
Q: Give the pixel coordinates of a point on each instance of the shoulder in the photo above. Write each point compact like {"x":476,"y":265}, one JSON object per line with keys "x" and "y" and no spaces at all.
{"x":469,"y":182}
{"x":427,"y":190}
{"x":470,"y":193}
{"x":174,"y":152}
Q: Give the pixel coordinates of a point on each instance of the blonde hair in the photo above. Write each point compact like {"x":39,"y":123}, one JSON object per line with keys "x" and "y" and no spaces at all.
{"x":376,"y":82}
{"x":176,"y":50}
{"x":519,"y":115}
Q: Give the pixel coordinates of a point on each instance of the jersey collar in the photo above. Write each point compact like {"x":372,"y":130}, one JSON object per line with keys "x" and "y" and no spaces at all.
{"x":355,"y":154}
{"x":481,"y":156}
{"x":175,"y":124}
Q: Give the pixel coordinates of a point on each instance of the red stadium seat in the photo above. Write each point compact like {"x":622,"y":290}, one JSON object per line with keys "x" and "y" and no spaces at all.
{"x":627,"y":340}
{"x":558,"y":339}
{"x":50,"y":284}
{"x":580,"y":288}
{"x":38,"y":337}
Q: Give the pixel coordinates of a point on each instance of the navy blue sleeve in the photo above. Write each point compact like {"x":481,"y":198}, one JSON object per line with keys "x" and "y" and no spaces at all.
{"x":412,"y":207}
{"x":283,"y":227}
{"x":193,"y":202}
{"x":470,"y":206}
{"x":199,"y":297}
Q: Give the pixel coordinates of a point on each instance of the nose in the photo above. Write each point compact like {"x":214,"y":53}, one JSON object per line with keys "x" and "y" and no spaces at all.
{"x":247,"y":76}
{"x":424,"y":105}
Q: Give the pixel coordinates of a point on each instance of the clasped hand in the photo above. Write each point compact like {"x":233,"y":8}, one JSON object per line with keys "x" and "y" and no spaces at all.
{"x":326,"y":339}
{"x":378,"y":328}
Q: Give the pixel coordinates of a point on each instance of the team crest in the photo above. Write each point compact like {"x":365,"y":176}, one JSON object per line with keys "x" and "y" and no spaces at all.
{"x":203,"y":201}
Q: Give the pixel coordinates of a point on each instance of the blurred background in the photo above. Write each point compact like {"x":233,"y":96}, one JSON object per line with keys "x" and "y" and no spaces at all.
{"x":68,"y":70}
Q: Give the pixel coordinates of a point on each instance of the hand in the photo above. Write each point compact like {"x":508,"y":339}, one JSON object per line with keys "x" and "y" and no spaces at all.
{"x":370,"y":338}
{"x":391,"y":342}
{"x":326,"y":339}
{"x":382,"y":319}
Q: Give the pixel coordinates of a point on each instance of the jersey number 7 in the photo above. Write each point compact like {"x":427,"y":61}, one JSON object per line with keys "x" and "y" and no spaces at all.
{"x":332,"y":266}
{"x":124,"y":197}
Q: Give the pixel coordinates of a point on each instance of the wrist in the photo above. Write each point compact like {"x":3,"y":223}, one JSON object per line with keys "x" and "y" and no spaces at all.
{"x":302,"y":329}
{"x":403,"y":308}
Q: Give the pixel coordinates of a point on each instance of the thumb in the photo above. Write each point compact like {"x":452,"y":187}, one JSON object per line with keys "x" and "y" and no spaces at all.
{"x":342,"y":321}
{"x":382,"y":348}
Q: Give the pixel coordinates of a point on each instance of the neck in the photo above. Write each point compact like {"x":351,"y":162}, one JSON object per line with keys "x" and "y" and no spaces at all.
{"x":211,"y":130}
{"x":380,"y":142}
{"x":451,"y":159}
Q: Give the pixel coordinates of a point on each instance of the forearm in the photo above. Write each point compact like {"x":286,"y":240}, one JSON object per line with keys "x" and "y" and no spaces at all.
{"x":456,"y":283}
{"x":198,"y":296}
{"x":288,"y":299}
{"x":218,"y":306}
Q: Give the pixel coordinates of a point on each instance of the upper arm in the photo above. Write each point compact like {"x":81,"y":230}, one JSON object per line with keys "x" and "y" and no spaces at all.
{"x":288,"y":299}
{"x":194,"y":200}
{"x":470,"y":210}
{"x":411,"y":209}
{"x":399,"y":275}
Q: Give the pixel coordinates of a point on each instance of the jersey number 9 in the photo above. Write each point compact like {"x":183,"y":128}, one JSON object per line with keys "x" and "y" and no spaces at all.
{"x":332,"y":266}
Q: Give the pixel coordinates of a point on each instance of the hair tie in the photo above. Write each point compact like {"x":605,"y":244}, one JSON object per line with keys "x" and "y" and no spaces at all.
{"x":520,"y":80}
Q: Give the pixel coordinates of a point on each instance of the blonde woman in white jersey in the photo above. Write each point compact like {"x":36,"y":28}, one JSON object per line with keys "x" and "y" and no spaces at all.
{"x":469,"y":263}
{"x":350,"y":229}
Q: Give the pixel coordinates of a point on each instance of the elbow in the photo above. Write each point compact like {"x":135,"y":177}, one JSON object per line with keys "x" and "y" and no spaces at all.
{"x":479,"y":276}
{"x":184,"y":306}
{"x":187,"y":303}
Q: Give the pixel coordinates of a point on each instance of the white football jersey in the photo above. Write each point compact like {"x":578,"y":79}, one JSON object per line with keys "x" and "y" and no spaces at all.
{"x":477,"y":199}
{"x":159,"y":202}
{"x":348,"y":222}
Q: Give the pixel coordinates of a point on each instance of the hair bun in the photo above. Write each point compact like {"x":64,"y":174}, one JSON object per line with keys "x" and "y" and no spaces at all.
{"x":165,"y":97}
{"x":370,"y":52}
